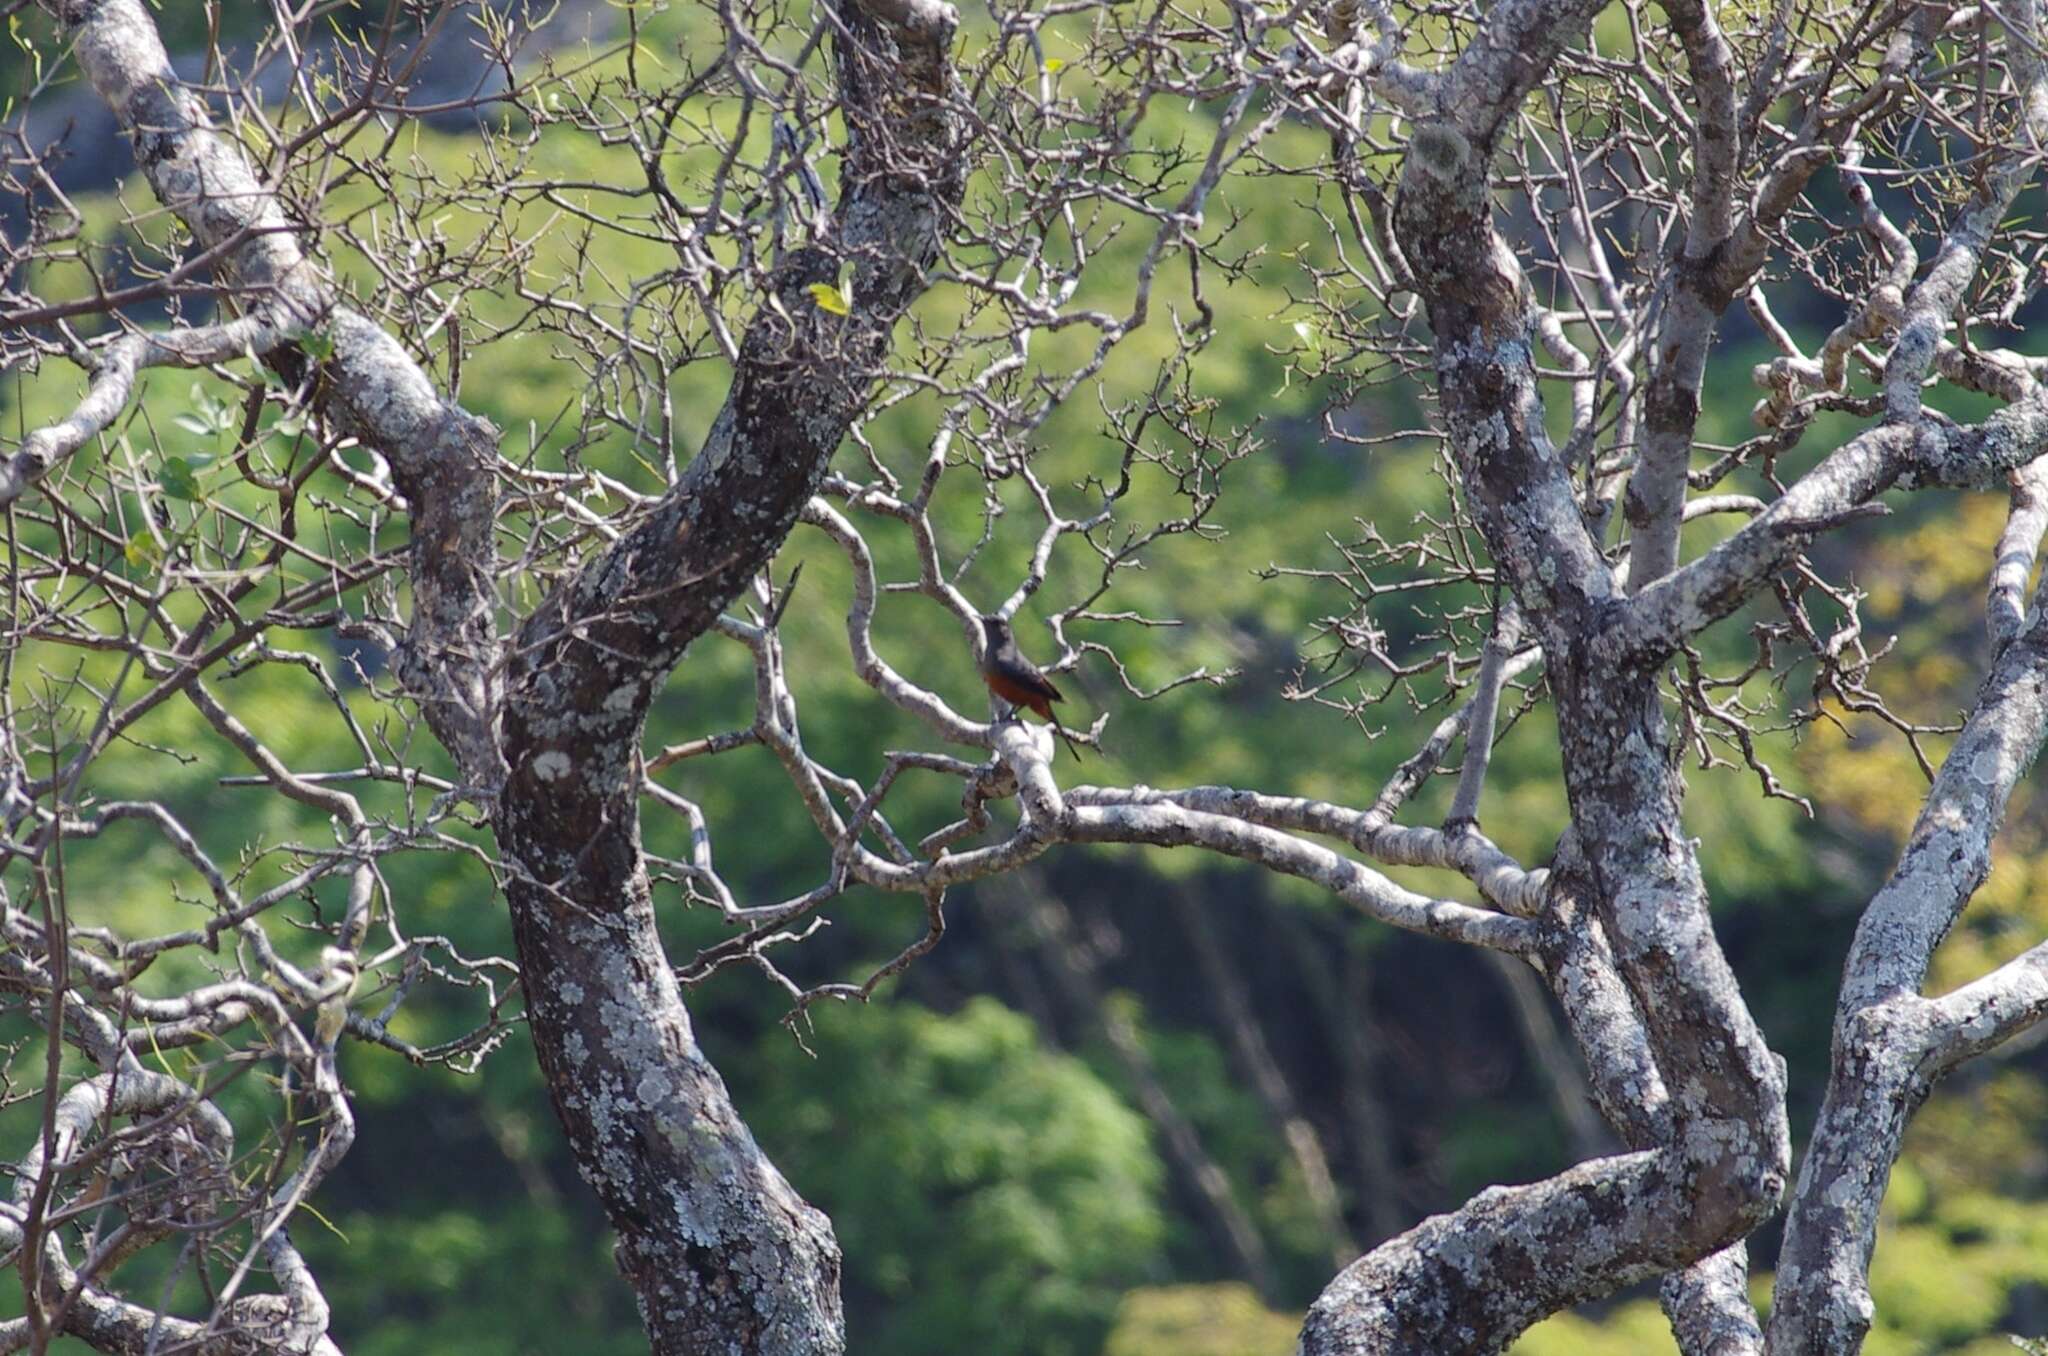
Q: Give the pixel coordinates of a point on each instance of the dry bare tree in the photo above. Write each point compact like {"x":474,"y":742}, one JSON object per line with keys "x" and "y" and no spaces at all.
{"x":1535,"y":215}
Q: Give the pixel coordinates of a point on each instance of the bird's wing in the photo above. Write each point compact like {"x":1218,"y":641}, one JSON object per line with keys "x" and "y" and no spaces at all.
{"x":1034,"y":678}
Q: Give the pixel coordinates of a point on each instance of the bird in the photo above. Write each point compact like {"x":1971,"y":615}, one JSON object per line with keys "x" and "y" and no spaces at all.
{"x":1016,"y":679}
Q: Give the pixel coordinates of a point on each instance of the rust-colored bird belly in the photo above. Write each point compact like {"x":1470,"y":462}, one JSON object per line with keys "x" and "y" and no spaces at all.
{"x":1017,"y":693}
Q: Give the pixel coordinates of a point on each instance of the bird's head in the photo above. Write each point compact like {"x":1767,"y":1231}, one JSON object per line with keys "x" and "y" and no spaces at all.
{"x":995,"y":630}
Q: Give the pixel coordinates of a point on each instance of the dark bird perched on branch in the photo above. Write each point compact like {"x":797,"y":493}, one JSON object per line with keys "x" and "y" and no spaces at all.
{"x":1016,"y":679}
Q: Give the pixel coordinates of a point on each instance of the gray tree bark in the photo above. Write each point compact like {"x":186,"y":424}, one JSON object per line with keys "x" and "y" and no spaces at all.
{"x":721,"y":1251}
{"x":722,"y":1254}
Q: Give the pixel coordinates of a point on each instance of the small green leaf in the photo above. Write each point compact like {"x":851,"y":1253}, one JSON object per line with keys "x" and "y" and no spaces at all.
{"x":193,"y":424}
{"x":318,"y":347}
{"x":140,"y":551}
{"x":831,"y":299}
{"x":178,"y":480}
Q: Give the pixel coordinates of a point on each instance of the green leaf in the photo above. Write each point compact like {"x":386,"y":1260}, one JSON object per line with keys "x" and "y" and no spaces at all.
{"x":193,"y":424}
{"x":1054,"y":65}
{"x":179,"y":482}
{"x":829,"y":298}
{"x":140,"y":551}
{"x":318,"y":347}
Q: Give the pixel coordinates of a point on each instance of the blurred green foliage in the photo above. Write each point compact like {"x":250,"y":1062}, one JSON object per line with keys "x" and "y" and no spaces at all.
{"x":1224,"y":1319}
{"x":977,"y":1174}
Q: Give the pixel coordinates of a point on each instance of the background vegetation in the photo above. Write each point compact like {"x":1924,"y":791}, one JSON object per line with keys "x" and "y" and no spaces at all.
{"x":996,"y":1176}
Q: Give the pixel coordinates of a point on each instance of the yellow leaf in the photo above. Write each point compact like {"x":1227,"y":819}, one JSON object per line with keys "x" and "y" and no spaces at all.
{"x":830,"y":298}
{"x":1053,"y":65}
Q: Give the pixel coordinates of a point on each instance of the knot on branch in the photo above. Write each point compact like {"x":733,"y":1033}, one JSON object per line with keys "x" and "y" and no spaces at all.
{"x":1441,"y":152}
{"x":1445,"y":226}
{"x":1344,"y":25}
